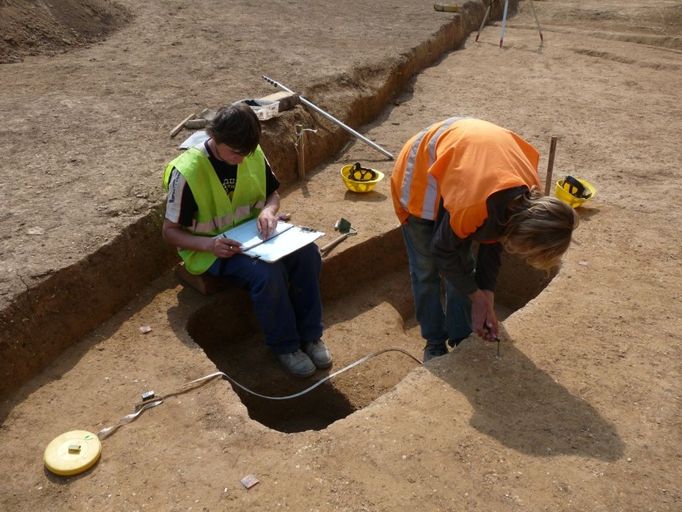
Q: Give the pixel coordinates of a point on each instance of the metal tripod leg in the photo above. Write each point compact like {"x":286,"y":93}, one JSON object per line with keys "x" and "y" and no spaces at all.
{"x":485,"y":18}
{"x":504,"y":21}
{"x":537,"y":22}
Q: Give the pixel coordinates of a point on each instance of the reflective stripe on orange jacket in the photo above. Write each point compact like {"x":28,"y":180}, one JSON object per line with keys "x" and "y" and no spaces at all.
{"x":463,"y":161}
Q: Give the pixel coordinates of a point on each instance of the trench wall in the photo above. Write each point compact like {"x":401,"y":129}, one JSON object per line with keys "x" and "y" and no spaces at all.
{"x":232,"y":341}
{"x":45,"y":319}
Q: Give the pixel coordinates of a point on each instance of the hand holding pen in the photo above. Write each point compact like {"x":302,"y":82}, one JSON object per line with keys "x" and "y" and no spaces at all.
{"x":225,"y":247}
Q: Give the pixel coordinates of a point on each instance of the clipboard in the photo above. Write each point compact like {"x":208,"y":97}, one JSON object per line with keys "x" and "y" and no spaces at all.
{"x":286,"y":239}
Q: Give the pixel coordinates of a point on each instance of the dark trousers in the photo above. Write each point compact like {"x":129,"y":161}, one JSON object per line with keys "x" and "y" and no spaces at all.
{"x":285,"y":295}
{"x":437,"y":322}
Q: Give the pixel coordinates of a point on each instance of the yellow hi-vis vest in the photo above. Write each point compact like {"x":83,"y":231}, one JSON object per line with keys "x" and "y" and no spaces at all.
{"x":463,"y":161}
{"x":216,"y":211}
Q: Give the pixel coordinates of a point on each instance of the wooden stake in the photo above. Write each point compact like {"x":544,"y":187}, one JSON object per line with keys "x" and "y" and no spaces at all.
{"x":177,"y":129}
{"x":550,"y":166}
{"x":301,"y":154}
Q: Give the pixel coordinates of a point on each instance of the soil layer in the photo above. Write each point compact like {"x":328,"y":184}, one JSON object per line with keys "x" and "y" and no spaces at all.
{"x":580,"y":412}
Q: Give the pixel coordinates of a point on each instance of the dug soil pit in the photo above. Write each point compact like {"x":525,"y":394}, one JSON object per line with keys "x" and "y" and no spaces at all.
{"x":372,"y":315}
{"x":582,"y":410}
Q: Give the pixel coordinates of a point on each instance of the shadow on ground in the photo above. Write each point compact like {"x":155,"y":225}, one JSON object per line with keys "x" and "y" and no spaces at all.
{"x":523,"y":407}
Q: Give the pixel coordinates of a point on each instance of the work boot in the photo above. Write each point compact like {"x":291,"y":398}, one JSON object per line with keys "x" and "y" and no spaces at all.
{"x":434,"y":349}
{"x":297,"y":364}
{"x":319,"y":354}
{"x":456,"y":341}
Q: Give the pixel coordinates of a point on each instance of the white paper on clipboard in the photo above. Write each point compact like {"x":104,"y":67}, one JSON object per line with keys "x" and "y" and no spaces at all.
{"x":286,"y":239}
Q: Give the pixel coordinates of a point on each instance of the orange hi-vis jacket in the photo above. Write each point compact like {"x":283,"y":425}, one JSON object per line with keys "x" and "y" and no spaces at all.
{"x":463,"y":161}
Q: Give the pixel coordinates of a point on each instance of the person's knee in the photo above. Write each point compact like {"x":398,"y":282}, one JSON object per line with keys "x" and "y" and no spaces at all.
{"x":424,"y":270}
{"x":310,"y":252}
{"x":308,"y":258}
{"x":268,"y":277}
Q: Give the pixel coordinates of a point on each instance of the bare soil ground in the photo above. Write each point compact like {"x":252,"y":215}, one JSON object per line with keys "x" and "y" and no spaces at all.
{"x":580,"y":412}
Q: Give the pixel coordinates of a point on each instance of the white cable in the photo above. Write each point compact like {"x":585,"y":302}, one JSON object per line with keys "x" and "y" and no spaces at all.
{"x":156,"y":400}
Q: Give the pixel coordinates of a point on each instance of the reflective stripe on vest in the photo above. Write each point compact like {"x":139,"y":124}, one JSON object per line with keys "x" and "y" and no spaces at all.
{"x":429,"y":209}
{"x":216,"y":211}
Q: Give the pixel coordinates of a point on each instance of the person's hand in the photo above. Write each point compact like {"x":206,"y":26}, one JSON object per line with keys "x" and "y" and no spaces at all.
{"x":267,"y":222}
{"x":225,"y":247}
{"x":483,"y":318}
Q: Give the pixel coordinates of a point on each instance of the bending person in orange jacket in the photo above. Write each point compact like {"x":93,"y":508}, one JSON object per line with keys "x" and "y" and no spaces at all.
{"x":461,"y":181}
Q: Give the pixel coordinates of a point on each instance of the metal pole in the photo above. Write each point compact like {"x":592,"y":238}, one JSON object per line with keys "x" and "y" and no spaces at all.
{"x":532,"y":8}
{"x":550,"y":165}
{"x":504,"y":21}
{"x":330,"y":117}
{"x":485,"y":18}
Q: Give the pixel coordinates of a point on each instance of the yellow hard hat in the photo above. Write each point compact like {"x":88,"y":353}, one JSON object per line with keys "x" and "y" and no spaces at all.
{"x":574,"y":191}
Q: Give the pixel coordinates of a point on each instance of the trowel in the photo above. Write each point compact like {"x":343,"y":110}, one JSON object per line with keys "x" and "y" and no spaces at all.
{"x":344,"y":227}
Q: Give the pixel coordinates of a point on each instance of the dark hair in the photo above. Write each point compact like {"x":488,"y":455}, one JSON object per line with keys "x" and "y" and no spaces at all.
{"x":236,"y":126}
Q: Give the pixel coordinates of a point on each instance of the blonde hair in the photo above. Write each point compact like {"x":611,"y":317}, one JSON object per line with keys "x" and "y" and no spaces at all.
{"x":539,"y":229}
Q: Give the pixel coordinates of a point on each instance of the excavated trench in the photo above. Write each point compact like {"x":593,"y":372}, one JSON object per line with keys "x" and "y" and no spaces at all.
{"x":60,"y":309}
{"x":359,"y":320}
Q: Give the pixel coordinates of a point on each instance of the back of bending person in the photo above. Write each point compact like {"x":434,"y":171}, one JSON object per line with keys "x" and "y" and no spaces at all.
{"x":462,"y":183}
{"x":219,"y":184}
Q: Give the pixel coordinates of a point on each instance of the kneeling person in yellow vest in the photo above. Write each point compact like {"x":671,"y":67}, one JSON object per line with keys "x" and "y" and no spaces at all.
{"x":462,"y":181}
{"x":221,"y":183}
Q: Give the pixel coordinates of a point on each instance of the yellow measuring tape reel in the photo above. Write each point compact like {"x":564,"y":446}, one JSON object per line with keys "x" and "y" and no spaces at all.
{"x":77,"y":451}
{"x":72,"y":452}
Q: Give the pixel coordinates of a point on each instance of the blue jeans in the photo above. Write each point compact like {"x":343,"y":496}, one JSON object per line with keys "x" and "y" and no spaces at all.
{"x":437,"y":323}
{"x":285,"y":295}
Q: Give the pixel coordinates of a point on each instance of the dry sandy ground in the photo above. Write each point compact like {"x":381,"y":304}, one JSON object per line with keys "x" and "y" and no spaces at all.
{"x":580,"y":412}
